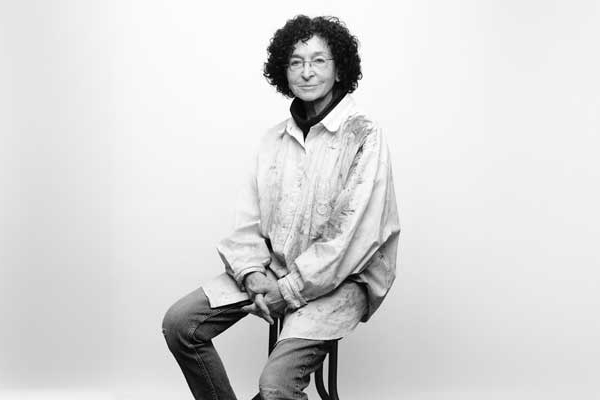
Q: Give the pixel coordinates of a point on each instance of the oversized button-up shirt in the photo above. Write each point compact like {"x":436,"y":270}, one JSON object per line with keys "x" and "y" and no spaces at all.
{"x":320,"y":214}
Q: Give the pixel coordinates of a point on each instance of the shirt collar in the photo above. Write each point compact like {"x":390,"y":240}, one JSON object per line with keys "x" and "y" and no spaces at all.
{"x":331,"y":122}
{"x":334,"y":119}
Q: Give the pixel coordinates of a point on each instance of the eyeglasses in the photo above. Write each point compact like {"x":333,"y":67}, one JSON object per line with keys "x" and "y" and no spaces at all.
{"x":318,"y":63}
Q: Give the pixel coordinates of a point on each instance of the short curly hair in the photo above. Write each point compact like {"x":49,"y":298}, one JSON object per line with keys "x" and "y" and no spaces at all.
{"x":343,"y":46}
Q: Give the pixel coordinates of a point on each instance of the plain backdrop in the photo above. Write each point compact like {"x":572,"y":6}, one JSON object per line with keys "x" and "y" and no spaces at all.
{"x":125,"y":125}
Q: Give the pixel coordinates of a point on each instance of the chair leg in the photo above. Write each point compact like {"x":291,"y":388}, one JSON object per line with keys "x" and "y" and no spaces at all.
{"x":319,"y":383}
{"x":333,"y":358}
{"x":273,"y":334}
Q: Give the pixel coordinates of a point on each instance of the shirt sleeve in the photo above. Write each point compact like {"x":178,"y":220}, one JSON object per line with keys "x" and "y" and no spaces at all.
{"x":245,"y":249}
{"x":364,"y":216}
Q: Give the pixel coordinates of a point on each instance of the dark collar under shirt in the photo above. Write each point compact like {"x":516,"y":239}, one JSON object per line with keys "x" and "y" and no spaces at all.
{"x":299,"y":113}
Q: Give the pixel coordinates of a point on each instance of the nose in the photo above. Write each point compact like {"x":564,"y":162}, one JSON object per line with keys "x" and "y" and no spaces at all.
{"x":307,"y":70}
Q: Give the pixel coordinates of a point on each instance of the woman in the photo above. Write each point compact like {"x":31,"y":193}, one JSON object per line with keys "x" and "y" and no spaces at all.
{"x":316,"y":231}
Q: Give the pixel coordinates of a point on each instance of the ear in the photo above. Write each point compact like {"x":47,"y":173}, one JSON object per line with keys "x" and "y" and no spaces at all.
{"x":337,"y":76}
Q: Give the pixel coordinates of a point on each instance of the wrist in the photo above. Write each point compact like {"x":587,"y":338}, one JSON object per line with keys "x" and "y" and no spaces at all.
{"x":291,"y":292}
{"x":252,"y":278}
{"x":241,"y":275}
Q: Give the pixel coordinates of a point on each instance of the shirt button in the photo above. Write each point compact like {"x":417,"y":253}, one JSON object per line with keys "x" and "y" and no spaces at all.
{"x":322,"y":209}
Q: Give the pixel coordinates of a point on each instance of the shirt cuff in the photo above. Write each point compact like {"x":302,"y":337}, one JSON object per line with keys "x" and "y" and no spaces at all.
{"x":290,"y":286}
{"x":239,"y":276}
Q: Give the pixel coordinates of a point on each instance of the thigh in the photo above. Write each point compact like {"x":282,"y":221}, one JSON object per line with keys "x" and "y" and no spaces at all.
{"x":192,"y":317}
{"x":288,"y":369}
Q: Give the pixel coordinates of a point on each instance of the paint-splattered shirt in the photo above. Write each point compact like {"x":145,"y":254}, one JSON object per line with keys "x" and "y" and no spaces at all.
{"x":320,"y":215}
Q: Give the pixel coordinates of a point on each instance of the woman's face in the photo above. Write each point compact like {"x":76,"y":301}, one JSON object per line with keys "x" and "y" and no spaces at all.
{"x":312,"y":82}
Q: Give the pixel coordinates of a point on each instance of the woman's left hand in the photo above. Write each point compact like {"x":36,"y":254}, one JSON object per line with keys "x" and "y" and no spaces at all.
{"x":259,"y":308}
{"x":270,"y":302}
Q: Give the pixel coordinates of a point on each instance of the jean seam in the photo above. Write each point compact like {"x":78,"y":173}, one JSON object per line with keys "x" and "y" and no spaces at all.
{"x":205,"y":371}
{"x":314,"y":352}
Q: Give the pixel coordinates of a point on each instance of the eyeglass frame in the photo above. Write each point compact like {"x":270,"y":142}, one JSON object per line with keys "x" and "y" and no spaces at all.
{"x":310,"y":64}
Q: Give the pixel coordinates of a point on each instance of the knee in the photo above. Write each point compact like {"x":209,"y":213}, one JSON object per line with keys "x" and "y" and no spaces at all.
{"x":272,"y":383}
{"x":174,"y":327}
{"x":184,"y":324}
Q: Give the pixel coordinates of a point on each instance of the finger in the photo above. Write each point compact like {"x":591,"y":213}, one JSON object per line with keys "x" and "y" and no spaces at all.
{"x":263,"y":309}
{"x":254,"y":310}
{"x":259,"y":300}
{"x":251,"y":308}
{"x":250,"y":292}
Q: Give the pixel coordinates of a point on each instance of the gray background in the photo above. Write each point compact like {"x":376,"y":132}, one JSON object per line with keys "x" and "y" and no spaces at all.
{"x":124,"y":127}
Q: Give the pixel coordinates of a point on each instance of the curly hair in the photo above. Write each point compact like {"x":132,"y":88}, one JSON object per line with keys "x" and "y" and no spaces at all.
{"x":343,"y":46}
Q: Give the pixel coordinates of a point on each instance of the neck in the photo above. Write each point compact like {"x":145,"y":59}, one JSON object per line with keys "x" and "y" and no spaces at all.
{"x":314,"y":108}
{"x":308,"y":114}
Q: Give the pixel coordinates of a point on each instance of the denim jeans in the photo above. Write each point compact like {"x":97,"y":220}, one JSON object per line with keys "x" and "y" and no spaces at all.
{"x":189,"y":326}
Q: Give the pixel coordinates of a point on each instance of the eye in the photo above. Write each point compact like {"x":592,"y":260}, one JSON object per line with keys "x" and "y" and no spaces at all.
{"x":295,"y":63}
{"x":319,"y":61}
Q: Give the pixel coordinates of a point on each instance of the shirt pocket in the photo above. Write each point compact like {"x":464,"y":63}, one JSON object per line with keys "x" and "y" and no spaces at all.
{"x":321,"y":209}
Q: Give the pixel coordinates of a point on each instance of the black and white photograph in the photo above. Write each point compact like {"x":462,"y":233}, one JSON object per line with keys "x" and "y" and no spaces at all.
{"x":315,"y":200}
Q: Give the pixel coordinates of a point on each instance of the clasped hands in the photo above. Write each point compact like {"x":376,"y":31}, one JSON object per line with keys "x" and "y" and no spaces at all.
{"x":264,"y":291}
